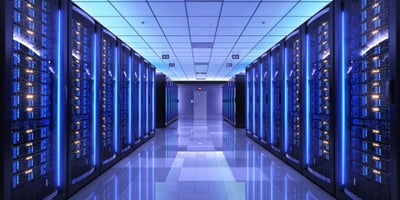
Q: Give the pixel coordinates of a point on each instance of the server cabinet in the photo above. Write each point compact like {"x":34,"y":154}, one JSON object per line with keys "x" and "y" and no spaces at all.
{"x":108,"y":106}
{"x":293,"y":89}
{"x":320,"y":109}
{"x":276,"y":84}
{"x":369,"y":138}
{"x":143,"y":121}
{"x":31,"y":77}
{"x":239,"y":101}
{"x":250,"y":102}
{"x":166,"y":101}
{"x":149,"y":104}
{"x":81,"y":106}
{"x":136,"y":99}
{"x":125,"y":98}
{"x":153,"y":99}
{"x":265,"y":93}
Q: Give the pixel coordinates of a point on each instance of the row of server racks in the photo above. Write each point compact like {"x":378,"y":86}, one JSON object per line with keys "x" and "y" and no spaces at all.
{"x":233,"y":101}
{"x":325,"y":99}
{"x":74,"y":99}
{"x":167,"y":101}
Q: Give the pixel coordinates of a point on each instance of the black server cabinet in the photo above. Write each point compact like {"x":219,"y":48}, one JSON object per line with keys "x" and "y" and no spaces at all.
{"x":136,"y":99}
{"x":369,"y":138}
{"x":265,"y":93}
{"x":319,"y":125}
{"x":31,"y":78}
{"x":166,"y":101}
{"x":81,"y":106}
{"x":238,"y":101}
{"x":294,"y":98}
{"x":249,"y":104}
{"x":108,"y":106}
{"x":125,"y":99}
{"x":276,"y":102}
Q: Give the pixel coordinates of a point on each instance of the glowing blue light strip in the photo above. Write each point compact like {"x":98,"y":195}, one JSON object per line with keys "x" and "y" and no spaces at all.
{"x":271,"y":90}
{"x":343,"y":122}
{"x":261,"y":103}
{"x":59,"y":66}
{"x":140,"y":100}
{"x":153,"y":100}
{"x":147,"y":99}
{"x":254,"y":99}
{"x":94,"y":98}
{"x":116,"y":101}
{"x":247,"y":101}
{"x":130,"y":101}
{"x":307,"y":101}
{"x":285,"y":99}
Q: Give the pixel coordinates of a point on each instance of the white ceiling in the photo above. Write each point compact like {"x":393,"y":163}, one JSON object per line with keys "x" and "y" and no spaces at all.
{"x":216,"y":29}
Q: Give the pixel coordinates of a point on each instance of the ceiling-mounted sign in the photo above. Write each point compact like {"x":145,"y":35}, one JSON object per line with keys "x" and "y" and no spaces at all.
{"x":165,"y":56}
{"x":228,"y":64}
{"x":235,"y":56}
{"x":171,"y":64}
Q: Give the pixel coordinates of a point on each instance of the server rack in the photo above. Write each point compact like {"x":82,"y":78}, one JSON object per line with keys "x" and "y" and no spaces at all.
{"x":31,"y":76}
{"x":166,"y":101}
{"x":136,"y":99}
{"x":369,"y":136}
{"x":108,"y":106}
{"x":125,"y":99}
{"x":153,"y":99}
{"x":276,"y":109}
{"x":265,"y":93}
{"x":319,"y":112}
{"x":294,"y":98}
{"x":251,"y":98}
{"x":150,"y":110}
{"x":81,"y":106}
{"x":256,"y":92}
{"x":234,"y":100}
{"x":143,"y":121}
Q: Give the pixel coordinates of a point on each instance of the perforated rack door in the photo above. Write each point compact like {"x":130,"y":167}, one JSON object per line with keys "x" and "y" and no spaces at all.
{"x":33,"y":133}
{"x":266,"y":84}
{"x":276,"y":99}
{"x":124,"y":82}
{"x":294,"y":91}
{"x":80,"y":81}
{"x":368,"y":83}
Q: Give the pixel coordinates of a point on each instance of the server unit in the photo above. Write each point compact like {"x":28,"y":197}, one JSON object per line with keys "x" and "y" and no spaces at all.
{"x":233,"y":101}
{"x":276,"y":109}
{"x":108,"y":106}
{"x":265,"y":125}
{"x":82,"y":104}
{"x":31,"y":76}
{"x":319,"y":113}
{"x":125,"y":98}
{"x":293,"y":98}
{"x":166,"y":101}
{"x":137,"y":99}
{"x":369,"y":135}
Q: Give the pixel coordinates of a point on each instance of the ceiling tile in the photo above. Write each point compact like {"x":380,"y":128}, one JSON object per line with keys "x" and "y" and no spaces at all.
{"x":261,"y":22}
{"x":280,"y":31}
{"x":112,"y":21}
{"x":203,"y":21}
{"x":225,"y":39}
{"x":238,"y":8}
{"x":202,"y":31}
{"x":122,"y":31}
{"x":274,"y":8}
{"x":202,"y":38}
{"x":229,"y":31}
{"x":176,"y":31}
{"x":292,"y":21}
{"x":149,"y":31}
{"x":250,"y":39}
{"x":168,"y":8}
{"x":233,"y":21}
{"x":133,"y":8}
{"x":307,"y":8}
{"x":256,"y":31}
{"x":203,"y":8}
{"x":97,"y":9}
{"x":145,"y":22}
{"x":157,"y":39}
{"x":172,"y":21}
{"x":179,"y":39}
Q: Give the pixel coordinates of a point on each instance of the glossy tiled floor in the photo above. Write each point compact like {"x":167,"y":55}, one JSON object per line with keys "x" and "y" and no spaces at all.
{"x":201,"y":159}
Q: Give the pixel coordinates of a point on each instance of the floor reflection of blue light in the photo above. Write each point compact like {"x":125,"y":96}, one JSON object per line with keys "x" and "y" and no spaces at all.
{"x":166,"y":168}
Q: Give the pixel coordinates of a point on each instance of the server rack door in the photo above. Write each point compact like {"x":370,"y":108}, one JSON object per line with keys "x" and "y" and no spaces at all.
{"x":81,"y":103}
{"x":293,"y":78}
{"x":125,"y":99}
{"x":260,"y":99}
{"x":368,"y":169}
{"x":239,"y":101}
{"x":153,"y":99}
{"x":33,"y":74}
{"x":247,"y":114}
{"x":253,"y":102}
{"x":107,"y":109}
{"x":276,"y":81}
{"x":144,"y":99}
{"x":320,"y":108}
{"x":136,"y":99}
{"x":257,"y":111}
{"x":250,"y":104}
{"x":266,"y":84}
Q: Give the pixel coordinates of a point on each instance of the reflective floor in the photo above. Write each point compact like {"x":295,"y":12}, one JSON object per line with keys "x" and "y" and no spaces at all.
{"x":201,"y":159}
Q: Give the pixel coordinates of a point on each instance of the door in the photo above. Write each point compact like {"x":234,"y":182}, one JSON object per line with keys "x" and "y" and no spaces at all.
{"x":200,"y":104}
